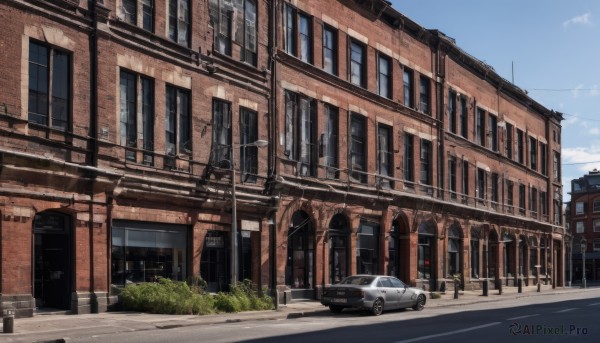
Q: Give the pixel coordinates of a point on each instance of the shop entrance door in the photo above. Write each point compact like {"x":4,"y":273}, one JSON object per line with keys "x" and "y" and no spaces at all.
{"x":52,"y":256}
{"x":214,"y":265}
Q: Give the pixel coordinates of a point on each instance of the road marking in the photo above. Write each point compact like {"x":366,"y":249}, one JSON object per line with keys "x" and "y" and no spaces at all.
{"x":594,"y":304}
{"x":448,"y":333}
{"x":521,"y":317}
{"x":566,"y":310}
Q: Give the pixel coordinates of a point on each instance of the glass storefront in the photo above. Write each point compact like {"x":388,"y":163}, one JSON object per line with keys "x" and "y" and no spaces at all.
{"x":367,"y":248}
{"x":143,"y":252}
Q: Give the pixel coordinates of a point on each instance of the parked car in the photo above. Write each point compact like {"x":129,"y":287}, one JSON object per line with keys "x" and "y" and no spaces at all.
{"x":374,"y":293}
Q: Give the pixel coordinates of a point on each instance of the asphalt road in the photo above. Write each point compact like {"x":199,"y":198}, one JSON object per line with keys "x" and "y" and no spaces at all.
{"x":552,"y":318}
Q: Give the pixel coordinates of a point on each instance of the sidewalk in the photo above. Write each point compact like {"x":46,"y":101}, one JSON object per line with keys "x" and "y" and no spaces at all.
{"x":59,"y":327}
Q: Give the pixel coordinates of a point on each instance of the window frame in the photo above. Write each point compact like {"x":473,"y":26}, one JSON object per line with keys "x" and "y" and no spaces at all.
{"x":248,"y":135}
{"x":331,"y":142}
{"x":386,"y":92}
{"x":480,"y":126}
{"x":596,"y":225}
{"x":174,"y":22}
{"x":579,"y":207}
{"x":408,"y":84}
{"x":452,"y":113}
{"x":46,"y":98}
{"x":481,"y":184}
{"x":299,"y":110}
{"x":333,"y":49}
{"x":425,"y":162}
{"x":533,"y":153}
{"x":408,"y":160}
{"x":579,"y":227}
{"x":492,"y":132}
{"x":353,"y":63}
{"x":357,"y":148}
{"x":181,"y":120}
{"x":385,"y":156}
{"x":452,"y":176}
{"x":425,"y":95}
{"x":305,"y":37}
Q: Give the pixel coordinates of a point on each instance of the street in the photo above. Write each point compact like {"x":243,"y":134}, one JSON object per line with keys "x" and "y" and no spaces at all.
{"x":548,"y":318}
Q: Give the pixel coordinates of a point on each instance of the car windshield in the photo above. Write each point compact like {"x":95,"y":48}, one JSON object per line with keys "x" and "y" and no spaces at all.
{"x":358,"y":280}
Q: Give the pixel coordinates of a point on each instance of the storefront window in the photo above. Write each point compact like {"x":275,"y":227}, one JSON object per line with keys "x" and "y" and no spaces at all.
{"x":299,"y":269}
{"x":143,"y":252}
{"x":338,"y":242}
{"x":367,"y":248}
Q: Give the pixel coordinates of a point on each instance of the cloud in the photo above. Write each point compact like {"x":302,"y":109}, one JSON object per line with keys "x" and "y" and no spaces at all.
{"x":584,"y":19}
{"x":577,"y":90}
{"x":594,"y":131}
{"x":583,"y":159}
{"x":581,"y":90}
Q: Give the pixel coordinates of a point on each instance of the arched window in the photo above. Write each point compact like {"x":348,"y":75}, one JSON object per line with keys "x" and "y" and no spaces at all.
{"x":299,"y":268}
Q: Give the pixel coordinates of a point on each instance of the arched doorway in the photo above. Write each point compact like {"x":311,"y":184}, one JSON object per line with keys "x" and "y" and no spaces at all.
{"x":426,"y":266}
{"x":299,"y":269}
{"x":338,"y":248}
{"x":53,"y":260}
{"x":399,"y":250}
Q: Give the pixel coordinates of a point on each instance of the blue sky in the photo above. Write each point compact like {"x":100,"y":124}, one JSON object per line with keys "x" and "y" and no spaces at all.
{"x":555,"y":48}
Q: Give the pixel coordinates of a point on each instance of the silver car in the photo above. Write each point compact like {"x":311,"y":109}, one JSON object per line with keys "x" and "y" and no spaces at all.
{"x":374,"y":293}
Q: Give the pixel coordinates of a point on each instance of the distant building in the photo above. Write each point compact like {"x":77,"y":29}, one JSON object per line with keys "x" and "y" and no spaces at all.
{"x":584,"y":216}
{"x":390,"y":150}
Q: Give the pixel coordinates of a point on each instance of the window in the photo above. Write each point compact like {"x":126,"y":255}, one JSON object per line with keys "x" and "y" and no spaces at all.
{"x":509,"y":193}
{"x":509,"y":141}
{"x":543,"y":203}
{"x":533,"y":200}
{"x":358,"y":148}
{"x":520,"y":147}
{"x":385,"y":158}
{"x":330,"y":50}
{"x":596,"y":225}
{"x":452,"y":120}
{"x":543,"y":163}
{"x":384,"y":80}
{"x":179,"y":21}
{"x":579,"y":207}
{"x":452,"y":176}
{"x":367,"y":248}
{"x":249,"y":135}
{"x":492,"y":134}
{"x":579,"y":227}
{"x":480,"y":184}
{"x":495,"y":197}
{"x":533,"y":156}
{"x":305,"y":38}
{"x":129,"y":104}
{"x":474,"y":256}
{"x":49,"y":101}
{"x":454,"y":248}
{"x":290,"y":27}
{"x":596,"y":244}
{"x":177,"y":121}
{"x":463,"y":117}
{"x":143,"y":251}
{"x":425,"y":95}
{"x":357,"y":64}
{"x":221,"y":138}
{"x":557,"y":212}
{"x":465,"y":178}
{"x":556,"y":172}
{"x":480,"y":127}
{"x":425,"y":162}
{"x":331,"y":142}
{"x":409,"y":88}
{"x":129,"y":13}
{"x":235,"y":22}
{"x":300,"y":138}
{"x":596,"y":206}
{"x":522,"y":197}
{"x":408,"y":159}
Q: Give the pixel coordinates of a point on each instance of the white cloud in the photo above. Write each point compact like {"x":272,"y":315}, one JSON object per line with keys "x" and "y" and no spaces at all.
{"x":583,"y":159}
{"x":577,"y":90}
{"x":594,"y":131}
{"x":584,"y":19}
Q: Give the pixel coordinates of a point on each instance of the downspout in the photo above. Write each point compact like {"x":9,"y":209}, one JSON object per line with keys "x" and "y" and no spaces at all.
{"x":272,"y":160}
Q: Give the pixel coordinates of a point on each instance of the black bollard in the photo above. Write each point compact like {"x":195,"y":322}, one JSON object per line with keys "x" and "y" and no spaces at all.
{"x":8,"y":322}
{"x":539,"y":287}
{"x":485,"y":288}
{"x":500,"y":287}
{"x":455,"y":291}
{"x":520,"y":285}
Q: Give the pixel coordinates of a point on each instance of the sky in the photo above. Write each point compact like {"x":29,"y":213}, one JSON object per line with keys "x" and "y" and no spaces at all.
{"x":552,"y":47}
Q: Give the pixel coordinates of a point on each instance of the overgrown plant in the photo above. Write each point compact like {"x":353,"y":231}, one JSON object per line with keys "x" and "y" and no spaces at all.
{"x":169,"y":297}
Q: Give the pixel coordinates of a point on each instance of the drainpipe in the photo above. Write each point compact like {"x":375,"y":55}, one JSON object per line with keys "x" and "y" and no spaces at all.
{"x":272,"y":153}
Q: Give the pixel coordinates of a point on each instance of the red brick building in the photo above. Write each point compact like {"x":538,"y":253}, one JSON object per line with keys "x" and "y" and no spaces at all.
{"x":390,"y":151}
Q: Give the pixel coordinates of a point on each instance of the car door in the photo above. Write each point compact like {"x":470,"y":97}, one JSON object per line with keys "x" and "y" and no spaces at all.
{"x":390,"y":293}
{"x":404,"y":294}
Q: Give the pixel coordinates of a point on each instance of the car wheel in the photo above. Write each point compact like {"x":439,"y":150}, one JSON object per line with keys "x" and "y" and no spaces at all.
{"x":335,"y":308}
{"x":377,"y":307}
{"x":420,"y":304}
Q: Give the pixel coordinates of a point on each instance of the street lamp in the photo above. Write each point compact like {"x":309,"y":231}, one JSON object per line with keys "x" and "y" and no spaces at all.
{"x":234,"y":262}
{"x":583,"y":248}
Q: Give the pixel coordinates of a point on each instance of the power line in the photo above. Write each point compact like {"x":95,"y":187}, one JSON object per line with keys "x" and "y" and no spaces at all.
{"x":576,"y":163}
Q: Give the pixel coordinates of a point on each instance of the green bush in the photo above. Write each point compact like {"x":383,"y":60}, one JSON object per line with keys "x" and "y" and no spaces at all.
{"x":169,"y":297}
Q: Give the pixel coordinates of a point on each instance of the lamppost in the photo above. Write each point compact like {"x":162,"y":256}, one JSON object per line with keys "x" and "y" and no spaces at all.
{"x":234,"y":262}
{"x":583,"y":248}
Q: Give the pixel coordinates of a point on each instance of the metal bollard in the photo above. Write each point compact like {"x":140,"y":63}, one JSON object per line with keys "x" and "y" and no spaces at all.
{"x":8,"y":321}
{"x":539,"y":287}
{"x":500,"y":287}
{"x":485,"y":288}
{"x":520,"y":285}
